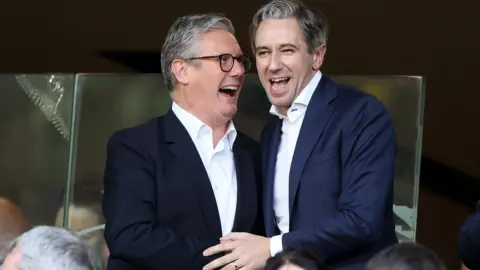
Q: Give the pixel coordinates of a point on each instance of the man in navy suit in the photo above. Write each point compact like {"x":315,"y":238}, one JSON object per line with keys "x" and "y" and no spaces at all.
{"x":327,"y":156}
{"x":469,"y":241}
{"x":176,"y":184}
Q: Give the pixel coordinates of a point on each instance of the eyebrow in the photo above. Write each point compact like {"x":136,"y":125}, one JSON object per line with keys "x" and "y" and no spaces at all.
{"x":232,"y":54}
{"x":282,"y":46}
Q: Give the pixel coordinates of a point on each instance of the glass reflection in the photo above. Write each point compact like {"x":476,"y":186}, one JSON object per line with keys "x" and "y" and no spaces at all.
{"x":35,"y":114}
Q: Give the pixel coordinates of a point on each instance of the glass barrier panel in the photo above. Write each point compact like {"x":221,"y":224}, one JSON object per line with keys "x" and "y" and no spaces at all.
{"x":113,"y":102}
{"x":35,"y":116}
{"x":107,"y":103}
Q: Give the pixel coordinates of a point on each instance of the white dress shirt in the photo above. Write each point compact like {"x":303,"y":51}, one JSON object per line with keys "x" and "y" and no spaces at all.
{"x":218,"y":162}
{"x":291,"y":124}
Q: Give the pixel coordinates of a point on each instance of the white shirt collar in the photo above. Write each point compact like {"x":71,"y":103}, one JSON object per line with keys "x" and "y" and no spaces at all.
{"x":305,"y":96}
{"x":194,"y":126}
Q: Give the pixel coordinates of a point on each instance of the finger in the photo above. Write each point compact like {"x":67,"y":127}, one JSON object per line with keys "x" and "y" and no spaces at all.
{"x":234,"y":266}
{"x":233,"y":236}
{"x":224,"y":241}
{"x":222,"y":261}
{"x":222,"y":247}
{"x":241,"y":263}
{"x":231,"y":266}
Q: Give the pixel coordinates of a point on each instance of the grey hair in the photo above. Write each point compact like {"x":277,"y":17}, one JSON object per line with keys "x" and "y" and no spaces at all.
{"x":52,"y":248}
{"x":405,"y":256}
{"x":183,"y":37}
{"x":313,"y":24}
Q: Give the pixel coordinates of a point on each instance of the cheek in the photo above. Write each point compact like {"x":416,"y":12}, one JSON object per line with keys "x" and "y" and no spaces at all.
{"x":261,"y":64}
{"x":262,"y":70}
{"x":294,"y":64}
{"x":209,"y":82}
{"x":308,"y":62}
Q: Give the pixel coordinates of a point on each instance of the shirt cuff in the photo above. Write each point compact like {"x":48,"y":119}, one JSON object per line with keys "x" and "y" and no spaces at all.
{"x":276,"y":245}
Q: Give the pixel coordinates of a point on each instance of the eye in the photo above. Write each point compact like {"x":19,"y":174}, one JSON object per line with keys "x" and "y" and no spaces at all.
{"x":262,"y":53}
{"x":225,"y":58}
{"x":287,"y":51}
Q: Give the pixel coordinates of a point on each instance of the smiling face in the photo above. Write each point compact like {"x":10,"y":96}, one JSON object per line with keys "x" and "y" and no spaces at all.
{"x":285,"y":65}
{"x":207,"y":91}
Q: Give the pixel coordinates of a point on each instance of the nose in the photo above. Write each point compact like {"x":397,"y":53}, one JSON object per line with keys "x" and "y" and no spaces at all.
{"x":275,"y":63}
{"x":237,"y":70}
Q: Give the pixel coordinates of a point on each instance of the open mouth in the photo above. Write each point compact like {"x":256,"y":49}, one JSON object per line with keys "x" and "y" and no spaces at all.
{"x":279,"y":82}
{"x":229,"y":90}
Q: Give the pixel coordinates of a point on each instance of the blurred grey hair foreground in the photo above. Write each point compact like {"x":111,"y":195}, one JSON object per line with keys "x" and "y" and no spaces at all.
{"x":313,"y":23}
{"x":52,"y":248}
{"x":406,"y":256}
{"x":182,"y":40}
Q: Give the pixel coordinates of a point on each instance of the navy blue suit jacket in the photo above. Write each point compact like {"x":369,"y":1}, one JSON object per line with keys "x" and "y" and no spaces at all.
{"x":158,"y":202}
{"x":469,"y":241}
{"x":341,"y":177}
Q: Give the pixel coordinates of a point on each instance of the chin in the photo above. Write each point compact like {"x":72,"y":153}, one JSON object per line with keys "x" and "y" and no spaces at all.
{"x":229,"y":112}
{"x":280,"y":101}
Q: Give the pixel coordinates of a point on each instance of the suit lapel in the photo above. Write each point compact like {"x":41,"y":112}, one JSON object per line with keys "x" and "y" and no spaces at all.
{"x":271,"y":161}
{"x":181,"y":145}
{"x":317,"y":115}
{"x":246,"y":190}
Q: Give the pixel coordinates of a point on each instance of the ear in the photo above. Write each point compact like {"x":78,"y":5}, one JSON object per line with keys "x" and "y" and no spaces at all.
{"x":319,"y":56}
{"x":180,"y":71}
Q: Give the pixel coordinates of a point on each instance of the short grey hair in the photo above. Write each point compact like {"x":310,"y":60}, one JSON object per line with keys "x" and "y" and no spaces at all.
{"x":183,"y":37}
{"x":52,"y":248}
{"x":313,"y":24}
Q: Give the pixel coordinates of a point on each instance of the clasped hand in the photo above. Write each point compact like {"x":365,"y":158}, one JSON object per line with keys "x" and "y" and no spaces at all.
{"x":243,"y":251}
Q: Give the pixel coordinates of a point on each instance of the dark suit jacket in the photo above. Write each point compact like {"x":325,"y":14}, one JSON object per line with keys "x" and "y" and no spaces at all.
{"x":469,"y":241}
{"x":158,"y":202}
{"x":341,"y":177}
